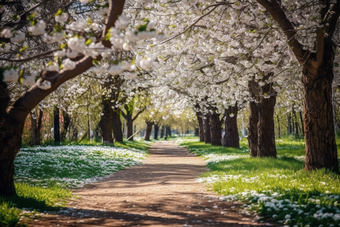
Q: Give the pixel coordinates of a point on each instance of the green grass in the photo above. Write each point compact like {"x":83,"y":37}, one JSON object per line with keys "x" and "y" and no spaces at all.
{"x":30,"y":198}
{"x":277,"y":189}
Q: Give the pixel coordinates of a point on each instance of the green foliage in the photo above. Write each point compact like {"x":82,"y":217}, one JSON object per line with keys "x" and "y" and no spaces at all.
{"x":9,"y":215}
{"x":31,"y":198}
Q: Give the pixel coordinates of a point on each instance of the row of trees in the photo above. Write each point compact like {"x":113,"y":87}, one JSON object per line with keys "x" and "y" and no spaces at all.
{"x":217,"y":58}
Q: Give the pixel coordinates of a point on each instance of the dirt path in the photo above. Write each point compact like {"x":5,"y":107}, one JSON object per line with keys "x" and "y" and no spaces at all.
{"x":161,"y":192}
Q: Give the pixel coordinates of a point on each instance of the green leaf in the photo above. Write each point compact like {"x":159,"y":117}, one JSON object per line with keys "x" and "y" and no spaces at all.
{"x":59,"y":12}
{"x":88,"y":42}
{"x":23,"y":49}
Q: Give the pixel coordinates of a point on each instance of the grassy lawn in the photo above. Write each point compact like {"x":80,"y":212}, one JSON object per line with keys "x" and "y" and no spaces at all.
{"x":277,"y":189}
{"x":45,"y":175}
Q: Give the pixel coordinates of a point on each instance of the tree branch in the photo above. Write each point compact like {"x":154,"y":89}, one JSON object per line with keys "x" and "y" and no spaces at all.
{"x":34,"y":95}
{"x":287,"y":27}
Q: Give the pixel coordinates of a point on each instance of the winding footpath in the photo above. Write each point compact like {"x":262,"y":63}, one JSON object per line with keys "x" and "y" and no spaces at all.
{"x":161,"y":192}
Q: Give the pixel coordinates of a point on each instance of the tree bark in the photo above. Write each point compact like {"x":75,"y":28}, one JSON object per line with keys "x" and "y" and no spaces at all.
{"x":296,"y":123}
{"x":148,"y":130}
{"x":197,"y":131}
{"x":105,"y":122}
{"x":289,"y":124}
{"x":117,"y":126}
{"x":129,"y":126}
{"x":231,"y":130}
{"x":36,"y":127}
{"x":206,"y":124}
{"x":67,"y":121}
{"x":156,"y":130}
{"x":9,"y":146}
{"x":215,"y":129}
{"x":321,"y":150}
{"x":253,"y":120}
{"x":200,"y":125}
{"x":56,"y":125}
{"x":266,"y":129}
{"x":162,"y":131}
{"x":10,"y":143}
{"x":278,"y":125}
{"x":302,"y":126}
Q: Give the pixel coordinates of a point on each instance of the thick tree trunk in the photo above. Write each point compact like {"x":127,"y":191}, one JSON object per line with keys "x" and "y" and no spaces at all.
{"x":9,"y":147}
{"x":10,"y":143}
{"x":253,"y":120}
{"x":162,"y":131}
{"x":215,"y":129}
{"x":117,"y":127}
{"x":231,"y":130}
{"x":129,"y":126}
{"x":206,"y":125}
{"x":266,"y":129}
{"x":105,"y":122}
{"x":56,"y":125}
{"x":321,"y":150}
{"x":67,"y":121}
{"x":156,"y":130}
{"x":200,"y":125}
{"x":148,"y":130}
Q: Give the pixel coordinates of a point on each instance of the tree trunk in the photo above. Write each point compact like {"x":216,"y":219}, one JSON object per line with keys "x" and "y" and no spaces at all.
{"x":321,"y":150}
{"x":215,"y":129}
{"x":105,"y":122}
{"x":231,"y":130}
{"x":169,"y":133}
{"x":253,"y":120}
{"x":200,"y":124}
{"x":156,"y":129}
{"x":36,"y":127}
{"x":66,"y":124}
{"x":206,"y":125}
{"x":296,"y":123}
{"x":10,"y":143}
{"x":278,"y":125}
{"x":162,"y":131}
{"x":266,"y":129}
{"x":129,"y":126}
{"x":302,"y":126}
{"x":197,"y":131}
{"x":56,"y":125}
{"x":148,"y":130}
{"x":117,"y":126}
{"x":289,"y":123}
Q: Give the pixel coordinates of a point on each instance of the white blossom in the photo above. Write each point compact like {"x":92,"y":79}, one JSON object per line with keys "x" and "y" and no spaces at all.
{"x":62,"y":18}
{"x":53,"y":67}
{"x":11,"y":75}
{"x":18,"y":37}
{"x":68,"y":64}
{"x":38,"y":28}
{"x":115,"y":70}
{"x":29,"y":80}
{"x":45,"y":85}
{"x":6,"y":33}
{"x":130,"y":76}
